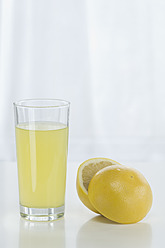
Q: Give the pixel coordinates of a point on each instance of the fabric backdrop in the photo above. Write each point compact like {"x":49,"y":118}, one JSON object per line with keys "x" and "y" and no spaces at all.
{"x":107,"y":57}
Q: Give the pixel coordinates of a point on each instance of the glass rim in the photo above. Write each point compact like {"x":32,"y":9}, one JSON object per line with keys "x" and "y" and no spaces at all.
{"x":60,"y":103}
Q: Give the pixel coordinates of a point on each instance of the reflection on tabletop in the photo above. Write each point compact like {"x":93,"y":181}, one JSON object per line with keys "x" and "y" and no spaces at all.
{"x":35,"y":234}
{"x":101,"y":232}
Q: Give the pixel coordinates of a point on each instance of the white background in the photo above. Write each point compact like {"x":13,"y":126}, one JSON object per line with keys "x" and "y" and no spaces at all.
{"x":105,"y":56}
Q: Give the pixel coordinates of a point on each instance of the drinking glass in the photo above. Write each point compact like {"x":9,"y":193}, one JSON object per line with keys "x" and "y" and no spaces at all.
{"x":41,"y":127}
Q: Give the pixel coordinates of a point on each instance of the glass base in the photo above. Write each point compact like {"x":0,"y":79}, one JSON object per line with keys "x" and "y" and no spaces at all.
{"x":41,"y":214}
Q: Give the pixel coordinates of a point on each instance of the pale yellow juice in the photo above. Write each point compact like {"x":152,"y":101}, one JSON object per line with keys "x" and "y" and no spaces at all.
{"x":41,"y":159}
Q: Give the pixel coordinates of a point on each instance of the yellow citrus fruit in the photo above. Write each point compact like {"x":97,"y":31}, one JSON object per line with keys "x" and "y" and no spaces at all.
{"x":121,"y":194}
{"x":84,"y":175}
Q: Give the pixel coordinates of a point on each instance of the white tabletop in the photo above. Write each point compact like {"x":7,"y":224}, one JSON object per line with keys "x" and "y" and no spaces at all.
{"x":80,"y":228}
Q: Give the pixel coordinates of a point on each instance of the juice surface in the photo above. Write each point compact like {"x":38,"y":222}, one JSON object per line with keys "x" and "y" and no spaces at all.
{"x":41,"y":159}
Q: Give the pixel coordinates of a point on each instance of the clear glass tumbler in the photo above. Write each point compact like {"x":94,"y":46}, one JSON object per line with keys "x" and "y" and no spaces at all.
{"x":41,"y":127}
